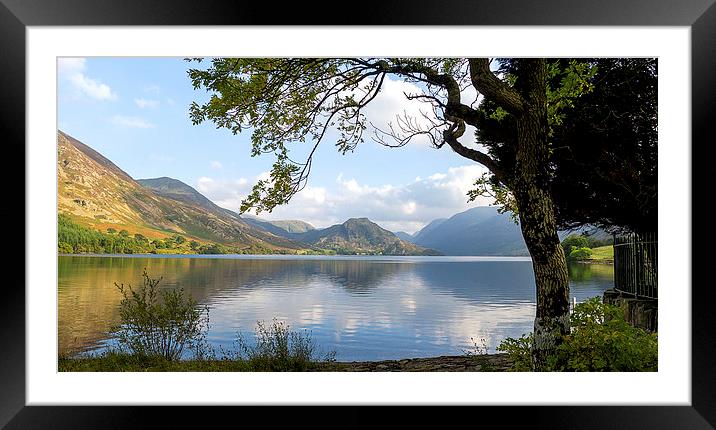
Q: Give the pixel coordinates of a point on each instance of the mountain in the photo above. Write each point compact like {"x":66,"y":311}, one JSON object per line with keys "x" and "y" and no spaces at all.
{"x":283,"y":228}
{"x":177,"y":190}
{"x":484,"y":231}
{"x":478,"y":231}
{"x":361,"y":236}
{"x":96,"y":193}
{"x":405,"y":236}
{"x":427,"y":229}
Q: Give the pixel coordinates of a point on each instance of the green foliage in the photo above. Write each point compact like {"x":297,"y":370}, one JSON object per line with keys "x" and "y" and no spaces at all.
{"x":600,"y":340}
{"x":213,"y":248}
{"x":520,"y":352}
{"x":570,"y":82}
{"x":488,"y":186}
{"x":178,"y":239}
{"x":110,"y":230}
{"x":277,"y":348}
{"x":296,"y":100}
{"x":194,"y":245}
{"x":124,"y":233}
{"x":65,"y":248}
{"x":73,"y":238}
{"x":574,"y":241}
{"x":159,"y":322}
{"x":580,"y":254}
{"x":140,"y":238}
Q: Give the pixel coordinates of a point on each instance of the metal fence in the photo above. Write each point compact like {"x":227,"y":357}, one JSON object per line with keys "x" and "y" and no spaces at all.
{"x":635,"y":264}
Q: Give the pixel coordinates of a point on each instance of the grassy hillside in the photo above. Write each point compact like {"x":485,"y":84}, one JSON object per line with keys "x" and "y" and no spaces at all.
{"x":603,"y":253}
{"x":98,"y":195}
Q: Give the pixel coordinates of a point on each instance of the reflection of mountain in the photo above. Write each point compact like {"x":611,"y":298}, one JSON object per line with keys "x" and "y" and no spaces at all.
{"x":372,"y":307}
{"x":496,"y":282}
{"x":88,"y":299}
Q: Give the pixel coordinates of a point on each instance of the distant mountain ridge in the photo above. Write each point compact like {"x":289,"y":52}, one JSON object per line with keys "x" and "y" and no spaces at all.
{"x":482,"y":230}
{"x":405,"y":236}
{"x":280,"y":227}
{"x":478,"y":231}
{"x":179,"y":191}
{"x":96,"y":193}
{"x":361,"y":236}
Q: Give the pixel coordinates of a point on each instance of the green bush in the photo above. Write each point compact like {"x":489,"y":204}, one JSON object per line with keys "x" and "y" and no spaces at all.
{"x":520,"y":352}
{"x":600,"y":340}
{"x":580,"y":253}
{"x":159,"y":323}
{"x":574,"y":241}
{"x":65,"y":248}
{"x":277,"y":348}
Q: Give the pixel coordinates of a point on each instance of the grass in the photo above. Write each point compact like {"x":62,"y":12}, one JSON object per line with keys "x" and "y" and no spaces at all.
{"x":276,"y":348}
{"x":602,"y":253}
{"x":123,"y":362}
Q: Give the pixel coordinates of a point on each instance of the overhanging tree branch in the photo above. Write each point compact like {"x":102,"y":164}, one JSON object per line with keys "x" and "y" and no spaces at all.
{"x":492,"y":87}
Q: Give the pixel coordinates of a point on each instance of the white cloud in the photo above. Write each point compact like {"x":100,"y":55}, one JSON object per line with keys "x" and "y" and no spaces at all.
{"x":145,"y":103}
{"x":392,"y":103}
{"x":154,"y":89}
{"x":72,"y":70}
{"x":70,"y":65}
{"x":216,"y":164}
{"x":395,"y":207}
{"x":131,"y":121}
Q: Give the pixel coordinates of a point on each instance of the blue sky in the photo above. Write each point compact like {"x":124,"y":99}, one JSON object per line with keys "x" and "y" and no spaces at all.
{"x":135,"y":112}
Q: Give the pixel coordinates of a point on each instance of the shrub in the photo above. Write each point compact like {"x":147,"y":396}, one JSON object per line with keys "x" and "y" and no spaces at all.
{"x":520,"y":352}
{"x":159,"y":323}
{"x":600,"y":340}
{"x":277,"y":348}
{"x":580,"y":254}
{"x":574,"y":241}
{"x":64,"y":248}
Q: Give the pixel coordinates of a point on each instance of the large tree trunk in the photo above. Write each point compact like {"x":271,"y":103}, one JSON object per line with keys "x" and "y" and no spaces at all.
{"x":537,"y":219}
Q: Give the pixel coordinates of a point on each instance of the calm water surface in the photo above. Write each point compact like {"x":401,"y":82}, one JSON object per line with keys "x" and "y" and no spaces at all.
{"x":364,"y":308}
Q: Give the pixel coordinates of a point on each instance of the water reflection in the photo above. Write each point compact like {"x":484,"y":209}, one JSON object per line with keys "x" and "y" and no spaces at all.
{"x":365,"y":308}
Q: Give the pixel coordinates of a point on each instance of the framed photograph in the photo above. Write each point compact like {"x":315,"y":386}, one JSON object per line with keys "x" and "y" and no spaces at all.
{"x":54,"y":52}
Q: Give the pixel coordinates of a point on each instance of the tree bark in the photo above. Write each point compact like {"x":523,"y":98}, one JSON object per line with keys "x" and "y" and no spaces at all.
{"x":536,"y":210}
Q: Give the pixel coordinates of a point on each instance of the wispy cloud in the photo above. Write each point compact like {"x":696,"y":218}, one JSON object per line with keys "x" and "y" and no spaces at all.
{"x":216,"y":164}
{"x":154,"y":89}
{"x":406,"y":207}
{"x":131,"y":121}
{"x":73,"y":70}
{"x":146,"y":103}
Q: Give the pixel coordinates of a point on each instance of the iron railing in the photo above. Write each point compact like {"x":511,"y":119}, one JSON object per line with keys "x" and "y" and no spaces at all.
{"x":635,"y":264}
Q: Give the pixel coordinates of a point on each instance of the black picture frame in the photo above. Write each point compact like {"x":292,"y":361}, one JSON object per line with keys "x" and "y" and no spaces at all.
{"x":16,"y":15}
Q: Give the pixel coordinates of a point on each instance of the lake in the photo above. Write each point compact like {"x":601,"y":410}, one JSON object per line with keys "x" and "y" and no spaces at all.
{"x":363,"y":307}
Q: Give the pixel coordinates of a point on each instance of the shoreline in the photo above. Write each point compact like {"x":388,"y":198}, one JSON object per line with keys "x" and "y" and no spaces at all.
{"x":603,"y":262}
{"x":446,"y":363}
{"x":307,"y":256}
